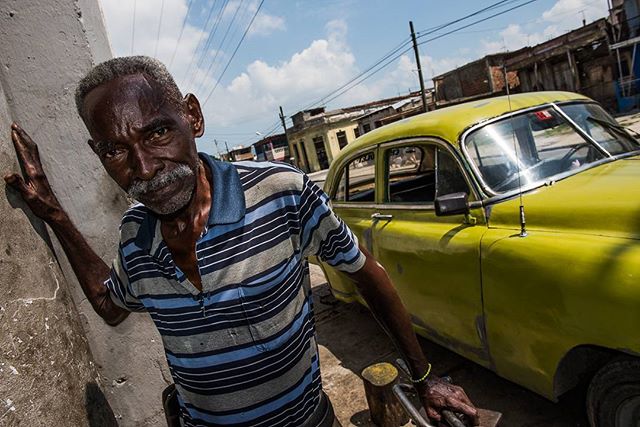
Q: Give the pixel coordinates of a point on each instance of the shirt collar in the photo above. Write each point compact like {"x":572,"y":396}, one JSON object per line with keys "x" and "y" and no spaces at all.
{"x":227,"y":203}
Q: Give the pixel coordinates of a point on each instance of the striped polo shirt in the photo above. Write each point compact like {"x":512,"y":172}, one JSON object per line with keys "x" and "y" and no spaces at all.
{"x":243,"y":351}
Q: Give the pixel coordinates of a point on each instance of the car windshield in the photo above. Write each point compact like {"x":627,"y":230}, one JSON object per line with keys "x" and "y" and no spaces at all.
{"x":537,"y":145}
{"x":601,"y":127}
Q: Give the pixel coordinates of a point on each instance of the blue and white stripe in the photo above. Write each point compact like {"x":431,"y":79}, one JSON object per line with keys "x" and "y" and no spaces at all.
{"x":242,"y":352}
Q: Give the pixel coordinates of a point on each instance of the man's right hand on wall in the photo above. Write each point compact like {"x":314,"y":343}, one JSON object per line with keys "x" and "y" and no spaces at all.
{"x":34,"y":187}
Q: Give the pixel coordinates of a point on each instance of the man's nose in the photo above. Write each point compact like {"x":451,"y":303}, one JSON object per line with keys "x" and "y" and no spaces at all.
{"x":145,"y":165}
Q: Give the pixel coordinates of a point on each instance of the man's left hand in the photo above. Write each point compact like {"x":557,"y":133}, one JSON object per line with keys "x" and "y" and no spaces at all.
{"x":437,"y":395}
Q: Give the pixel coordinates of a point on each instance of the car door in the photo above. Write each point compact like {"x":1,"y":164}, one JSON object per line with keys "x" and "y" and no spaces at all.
{"x":353,"y":197}
{"x":434,"y":261}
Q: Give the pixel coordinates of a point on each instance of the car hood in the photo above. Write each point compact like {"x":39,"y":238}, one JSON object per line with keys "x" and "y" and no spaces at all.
{"x":604,"y":200}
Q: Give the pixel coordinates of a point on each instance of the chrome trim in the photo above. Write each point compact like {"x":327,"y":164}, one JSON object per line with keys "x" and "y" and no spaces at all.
{"x":500,"y":196}
{"x":473,"y":186}
{"x":580,"y":130}
{"x":381,"y":217}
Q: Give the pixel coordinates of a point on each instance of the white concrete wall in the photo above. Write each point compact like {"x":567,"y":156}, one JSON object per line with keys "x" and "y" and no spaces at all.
{"x":45,"y":48}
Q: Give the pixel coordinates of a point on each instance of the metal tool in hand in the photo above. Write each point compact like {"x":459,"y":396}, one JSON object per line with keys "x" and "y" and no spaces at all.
{"x":401,"y":390}
{"x":487,"y":418}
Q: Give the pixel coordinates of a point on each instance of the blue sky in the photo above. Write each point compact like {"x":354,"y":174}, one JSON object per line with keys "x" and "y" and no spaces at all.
{"x":296,"y":52}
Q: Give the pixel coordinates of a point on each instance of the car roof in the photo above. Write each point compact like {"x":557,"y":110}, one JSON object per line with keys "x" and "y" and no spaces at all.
{"x":450,"y":122}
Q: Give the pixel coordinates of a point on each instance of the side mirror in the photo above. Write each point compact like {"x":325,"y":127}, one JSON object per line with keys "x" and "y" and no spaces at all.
{"x":452,"y":204}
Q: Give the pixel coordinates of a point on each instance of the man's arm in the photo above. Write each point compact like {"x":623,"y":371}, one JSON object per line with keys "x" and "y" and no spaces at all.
{"x":90,"y":270}
{"x":375,"y":287}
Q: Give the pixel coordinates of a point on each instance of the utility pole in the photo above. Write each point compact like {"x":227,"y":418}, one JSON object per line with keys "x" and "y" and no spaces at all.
{"x":228,"y":152}
{"x":415,"y":50}
{"x":284,"y":127}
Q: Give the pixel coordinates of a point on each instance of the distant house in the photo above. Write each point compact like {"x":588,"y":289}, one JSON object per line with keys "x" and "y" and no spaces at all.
{"x":317,"y":136}
{"x":577,"y":61}
{"x":274,"y":147}
{"x":238,"y":154}
{"x":392,"y":113}
{"x":478,"y":79}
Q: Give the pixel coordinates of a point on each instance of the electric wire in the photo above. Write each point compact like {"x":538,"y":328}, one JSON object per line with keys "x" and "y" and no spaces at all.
{"x":439,"y":36}
{"x":210,"y":39}
{"x":133,"y":26}
{"x":155,"y":52}
{"x":393,"y":55}
{"x":234,"y":53}
{"x":184,"y":24}
{"x":220,"y":47}
{"x":202,"y":33}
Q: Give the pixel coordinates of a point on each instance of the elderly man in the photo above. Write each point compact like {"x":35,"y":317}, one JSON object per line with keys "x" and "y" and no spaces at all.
{"x":216,"y":254}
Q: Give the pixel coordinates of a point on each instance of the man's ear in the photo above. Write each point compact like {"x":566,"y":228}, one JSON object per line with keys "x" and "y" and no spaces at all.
{"x":194,"y":115}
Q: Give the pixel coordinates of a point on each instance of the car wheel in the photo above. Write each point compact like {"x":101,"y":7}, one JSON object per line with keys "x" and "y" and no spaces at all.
{"x":613,"y":398}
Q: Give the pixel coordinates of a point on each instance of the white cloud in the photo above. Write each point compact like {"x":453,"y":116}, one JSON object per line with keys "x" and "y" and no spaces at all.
{"x":570,"y":12}
{"x":563,"y":16}
{"x":119,"y":22}
{"x":265,"y":24}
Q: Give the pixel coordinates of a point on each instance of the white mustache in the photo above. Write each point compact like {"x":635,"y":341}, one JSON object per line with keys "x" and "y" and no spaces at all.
{"x":139,"y":187}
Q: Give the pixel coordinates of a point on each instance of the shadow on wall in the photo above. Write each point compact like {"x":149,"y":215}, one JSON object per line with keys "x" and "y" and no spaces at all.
{"x":16,"y":202}
{"x":99,"y":413}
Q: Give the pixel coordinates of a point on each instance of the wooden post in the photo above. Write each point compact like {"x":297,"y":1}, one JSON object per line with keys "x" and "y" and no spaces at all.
{"x":384,"y":407}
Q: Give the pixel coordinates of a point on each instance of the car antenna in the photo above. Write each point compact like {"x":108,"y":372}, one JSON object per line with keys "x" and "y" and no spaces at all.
{"x":523,"y":222}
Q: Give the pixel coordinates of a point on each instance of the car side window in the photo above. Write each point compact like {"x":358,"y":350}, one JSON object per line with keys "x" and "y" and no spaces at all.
{"x":357,"y":182}
{"x":411,"y":174}
{"x":449,"y":177}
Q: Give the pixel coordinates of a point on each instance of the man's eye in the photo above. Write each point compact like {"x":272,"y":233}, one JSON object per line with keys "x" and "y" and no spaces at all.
{"x":111,"y":153}
{"x":159,"y":132}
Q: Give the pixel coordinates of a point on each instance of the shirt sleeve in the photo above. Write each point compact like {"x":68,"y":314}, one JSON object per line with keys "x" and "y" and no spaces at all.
{"x":119,"y":288}
{"x":324,"y":234}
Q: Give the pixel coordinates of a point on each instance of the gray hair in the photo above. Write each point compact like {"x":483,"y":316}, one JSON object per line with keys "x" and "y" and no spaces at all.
{"x":125,"y":66}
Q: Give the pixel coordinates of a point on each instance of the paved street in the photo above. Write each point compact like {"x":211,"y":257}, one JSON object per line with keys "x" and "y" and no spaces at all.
{"x":350,"y":340}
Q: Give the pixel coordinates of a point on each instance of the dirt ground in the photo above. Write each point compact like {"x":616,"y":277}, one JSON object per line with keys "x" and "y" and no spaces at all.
{"x":350,"y":340}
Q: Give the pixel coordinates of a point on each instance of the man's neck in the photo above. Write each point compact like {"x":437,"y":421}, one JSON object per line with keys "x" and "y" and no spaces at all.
{"x":194,"y":216}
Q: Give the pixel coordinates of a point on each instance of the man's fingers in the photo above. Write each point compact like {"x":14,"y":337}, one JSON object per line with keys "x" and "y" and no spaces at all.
{"x":16,"y":182}
{"x":433,"y":414}
{"x":26,"y":150}
{"x":461,"y":407}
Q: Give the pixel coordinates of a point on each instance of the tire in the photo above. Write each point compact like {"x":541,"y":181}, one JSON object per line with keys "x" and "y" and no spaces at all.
{"x":613,"y":397}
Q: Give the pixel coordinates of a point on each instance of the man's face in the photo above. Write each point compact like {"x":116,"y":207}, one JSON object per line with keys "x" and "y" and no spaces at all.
{"x":146,"y":144}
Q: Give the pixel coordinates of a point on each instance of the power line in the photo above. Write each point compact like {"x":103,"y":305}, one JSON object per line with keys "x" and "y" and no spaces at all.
{"x":477,"y":12}
{"x":195,"y":52}
{"x":234,"y":52}
{"x":329,"y":97}
{"x":184,"y":23}
{"x":396,"y":53}
{"x":210,"y":39}
{"x":379,"y":66}
{"x":224,"y":38}
{"x":133,"y":26}
{"x":155,"y":52}
{"x":476,"y":22}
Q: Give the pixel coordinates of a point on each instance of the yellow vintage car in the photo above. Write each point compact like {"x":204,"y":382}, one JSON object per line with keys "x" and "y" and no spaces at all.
{"x":510,"y":227}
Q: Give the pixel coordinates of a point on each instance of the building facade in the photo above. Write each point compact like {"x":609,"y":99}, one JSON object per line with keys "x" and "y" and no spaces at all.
{"x":273,"y":148}
{"x":482,"y":78}
{"x":577,"y":61}
{"x":317,"y":136}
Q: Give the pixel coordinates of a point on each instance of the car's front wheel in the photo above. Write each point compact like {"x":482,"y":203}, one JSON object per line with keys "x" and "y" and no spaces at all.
{"x":613,"y":398}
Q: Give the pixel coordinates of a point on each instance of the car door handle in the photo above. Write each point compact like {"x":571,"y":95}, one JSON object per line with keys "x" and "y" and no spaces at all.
{"x":378,"y":216}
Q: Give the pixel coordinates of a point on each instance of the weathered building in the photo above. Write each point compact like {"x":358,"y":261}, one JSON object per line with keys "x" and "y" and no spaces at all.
{"x":578,"y":61}
{"x":624,"y":36}
{"x":274,"y":147}
{"x":482,"y":78}
{"x":317,"y":136}
{"x":392,"y":113}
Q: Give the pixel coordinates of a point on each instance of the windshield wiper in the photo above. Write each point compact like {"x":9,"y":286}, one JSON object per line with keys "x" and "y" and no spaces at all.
{"x":614,"y":126}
